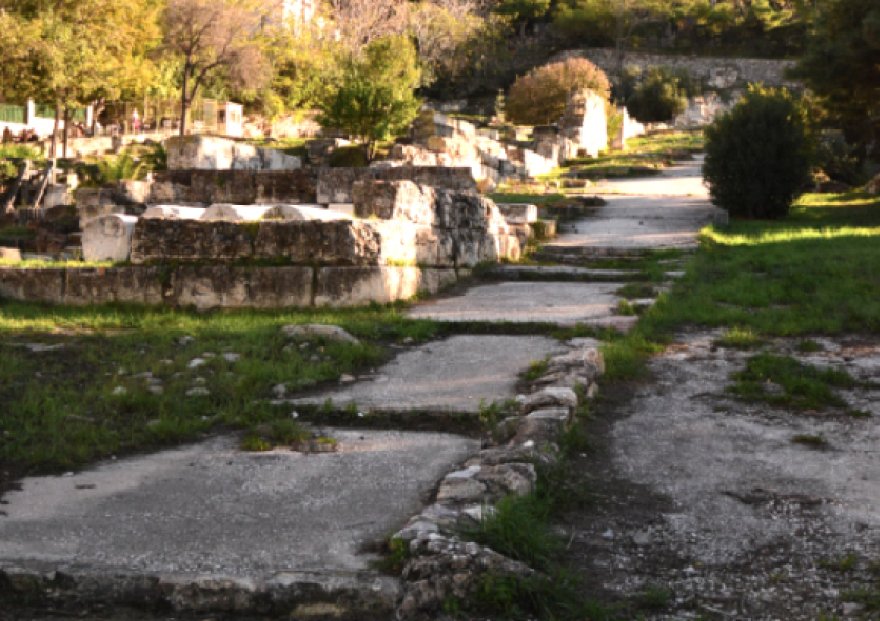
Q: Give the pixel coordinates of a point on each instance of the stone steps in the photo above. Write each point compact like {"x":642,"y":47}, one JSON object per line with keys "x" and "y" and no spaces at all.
{"x":562,"y":273}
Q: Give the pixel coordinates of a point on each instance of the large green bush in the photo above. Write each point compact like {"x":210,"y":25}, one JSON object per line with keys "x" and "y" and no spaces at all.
{"x":758,"y":155}
{"x":659,"y":98}
{"x":539,"y":97}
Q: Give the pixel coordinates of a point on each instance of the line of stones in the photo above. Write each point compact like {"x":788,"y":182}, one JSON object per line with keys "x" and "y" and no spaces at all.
{"x":442,"y":565}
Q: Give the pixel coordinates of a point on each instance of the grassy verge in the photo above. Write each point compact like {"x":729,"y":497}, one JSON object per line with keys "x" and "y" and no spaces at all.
{"x":809,"y":274}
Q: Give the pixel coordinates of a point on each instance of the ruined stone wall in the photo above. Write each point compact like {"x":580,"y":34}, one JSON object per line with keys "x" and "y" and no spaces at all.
{"x":215,"y":153}
{"x":717,"y":72}
{"x":240,"y":187}
{"x":584,"y":121}
{"x":222,"y":286}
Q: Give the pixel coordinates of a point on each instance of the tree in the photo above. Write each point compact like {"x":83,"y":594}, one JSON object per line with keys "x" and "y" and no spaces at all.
{"x":75,"y":52}
{"x":659,"y":97}
{"x":210,"y":35}
{"x":842,"y":67}
{"x":375,"y":99}
{"x":539,"y":97}
{"x":758,"y":155}
{"x":523,"y":11}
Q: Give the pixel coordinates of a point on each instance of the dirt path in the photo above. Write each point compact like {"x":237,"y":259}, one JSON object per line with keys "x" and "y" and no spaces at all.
{"x":707,"y":509}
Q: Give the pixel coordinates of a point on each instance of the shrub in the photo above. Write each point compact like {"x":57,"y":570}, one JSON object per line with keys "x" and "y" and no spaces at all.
{"x":352,"y":156}
{"x":538,"y":98}
{"x":758,"y":155}
{"x":659,"y":98}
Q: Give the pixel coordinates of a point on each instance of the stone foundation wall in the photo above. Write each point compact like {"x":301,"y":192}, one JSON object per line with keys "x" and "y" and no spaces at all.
{"x":717,"y":72}
{"x":221,"y":286}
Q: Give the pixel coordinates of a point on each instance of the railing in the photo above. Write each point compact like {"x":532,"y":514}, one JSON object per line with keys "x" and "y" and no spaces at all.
{"x":11,"y":114}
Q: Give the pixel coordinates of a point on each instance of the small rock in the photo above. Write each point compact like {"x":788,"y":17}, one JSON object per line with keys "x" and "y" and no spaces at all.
{"x":334,"y":333}
{"x":346,"y":379}
{"x":119,"y":391}
{"x":408,"y":340}
{"x":198,"y":392}
{"x":279,"y":390}
{"x":642,"y":538}
{"x":199,"y":381}
{"x":208,"y":355}
{"x":231,"y":357}
{"x":195,"y":363}
{"x":608,"y":534}
{"x":464,"y":474}
{"x":461,"y":490}
{"x":186,"y":340}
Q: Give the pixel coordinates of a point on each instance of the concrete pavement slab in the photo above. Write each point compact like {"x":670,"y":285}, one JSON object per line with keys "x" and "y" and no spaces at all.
{"x":563,"y":303}
{"x":454,"y":375}
{"x":262,"y":524}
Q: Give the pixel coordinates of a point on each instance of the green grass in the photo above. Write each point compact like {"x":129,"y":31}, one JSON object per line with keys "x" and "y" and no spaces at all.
{"x":534,"y":199}
{"x":739,"y":337}
{"x":809,"y":274}
{"x":805,"y":387}
{"x":63,"y":408}
{"x":692,"y":141}
{"x":20,"y":151}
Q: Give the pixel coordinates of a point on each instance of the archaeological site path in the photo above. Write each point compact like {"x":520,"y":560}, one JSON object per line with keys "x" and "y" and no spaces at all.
{"x":704,"y":508}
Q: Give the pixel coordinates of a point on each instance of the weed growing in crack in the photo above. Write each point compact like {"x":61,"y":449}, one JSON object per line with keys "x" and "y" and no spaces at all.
{"x":739,"y":337}
{"x":537,"y":370}
{"x":814,"y":441}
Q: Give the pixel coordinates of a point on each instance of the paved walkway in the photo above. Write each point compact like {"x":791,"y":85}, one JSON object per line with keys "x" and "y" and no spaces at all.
{"x":660,"y":212}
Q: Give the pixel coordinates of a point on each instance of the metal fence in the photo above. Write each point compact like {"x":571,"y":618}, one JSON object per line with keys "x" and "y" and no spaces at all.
{"x":11,"y":114}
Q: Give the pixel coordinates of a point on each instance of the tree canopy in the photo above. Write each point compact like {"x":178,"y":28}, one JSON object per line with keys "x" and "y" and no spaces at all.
{"x":842,"y":67}
{"x":375,"y":96}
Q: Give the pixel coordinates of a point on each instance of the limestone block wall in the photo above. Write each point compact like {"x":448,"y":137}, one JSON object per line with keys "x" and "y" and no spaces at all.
{"x":717,"y":72}
{"x":703,"y":110}
{"x":215,"y":153}
{"x":222,"y":286}
{"x":238,"y":187}
{"x":335,"y":185}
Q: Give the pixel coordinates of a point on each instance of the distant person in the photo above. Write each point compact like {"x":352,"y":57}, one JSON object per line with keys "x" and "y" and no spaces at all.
{"x":7,"y":135}
{"x":135,"y":121}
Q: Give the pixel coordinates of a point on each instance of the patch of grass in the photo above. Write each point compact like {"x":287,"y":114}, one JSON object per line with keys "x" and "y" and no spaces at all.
{"x":814,"y":441}
{"x":801,"y":275}
{"x":625,"y":356}
{"x":536,"y":370}
{"x":557,"y":597}
{"x":739,"y":337}
{"x":805,"y":387}
{"x":534,"y":199}
{"x":807,"y":346}
{"x":625,"y":308}
{"x":653,"y":598}
{"x":846,"y":563}
{"x":395,"y":554}
{"x":254,"y":443}
{"x":287,"y":432}
{"x":868,"y":597}
{"x":636,"y":291}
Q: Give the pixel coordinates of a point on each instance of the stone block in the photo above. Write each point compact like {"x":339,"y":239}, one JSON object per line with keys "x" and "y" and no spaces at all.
{"x":142,"y":285}
{"x":174,"y":212}
{"x":346,"y":209}
{"x":335,"y":184}
{"x":10,"y":254}
{"x":226,"y":286}
{"x":394,"y":200}
{"x":235,"y":213}
{"x":237,"y":187}
{"x":340,"y":242}
{"x":89,"y":212}
{"x":518,"y":213}
{"x":191,"y":240}
{"x":32,"y":284}
{"x":216,"y":153}
{"x":108,"y":238}
{"x":353,"y":286}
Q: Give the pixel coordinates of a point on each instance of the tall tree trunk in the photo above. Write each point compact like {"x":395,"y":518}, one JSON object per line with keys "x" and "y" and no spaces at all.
{"x":54,"y":147}
{"x":66,"y":132}
{"x":183,"y":101}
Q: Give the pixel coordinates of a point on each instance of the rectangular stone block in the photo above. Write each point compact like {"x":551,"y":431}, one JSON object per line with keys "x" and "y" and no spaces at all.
{"x":227,"y":286}
{"x":191,"y":240}
{"x":216,"y":153}
{"x":518,"y":213}
{"x":32,"y":284}
{"x":340,"y":242}
{"x":238,"y":187}
{"x":108,"y":238}
{"x":354,"y":286}
{"x":97,"y":285}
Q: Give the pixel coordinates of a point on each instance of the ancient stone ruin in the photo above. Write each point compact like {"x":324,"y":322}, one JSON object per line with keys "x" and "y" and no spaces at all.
{"x":237,"y":238}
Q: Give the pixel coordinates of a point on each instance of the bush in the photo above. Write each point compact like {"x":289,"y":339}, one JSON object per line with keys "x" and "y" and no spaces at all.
{"x":538,"y":98}
{"x":758,"y":155}
{"x":352,"y":156}
{"x":659,"y":98}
